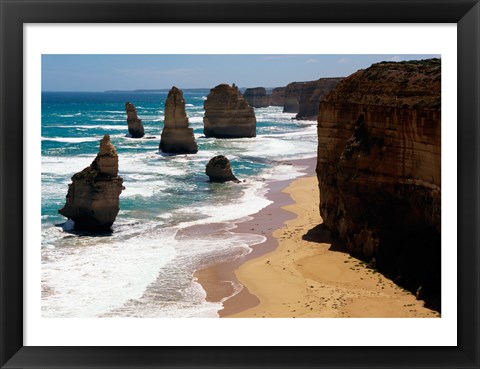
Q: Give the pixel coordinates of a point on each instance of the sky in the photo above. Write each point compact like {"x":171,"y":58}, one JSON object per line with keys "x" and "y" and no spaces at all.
{"x":130,"y":72}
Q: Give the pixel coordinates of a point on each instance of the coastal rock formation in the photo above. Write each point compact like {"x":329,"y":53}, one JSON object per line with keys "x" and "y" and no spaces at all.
{"x":304,"y":97}
{"x":176,"y":136}
{"x":135,"y":127}
{"x":220,"y":170}
{"x":291,"y":103}
{"x":256,"y":97}
{"x":228,"y":114}
{"x":277,"y":98}
{"x":311,"y":94}
{"x":92,"y":201}
{"x":379,"y":169}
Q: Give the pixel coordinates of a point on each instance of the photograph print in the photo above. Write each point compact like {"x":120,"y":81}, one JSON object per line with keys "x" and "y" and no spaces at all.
{"x":254,"y":186}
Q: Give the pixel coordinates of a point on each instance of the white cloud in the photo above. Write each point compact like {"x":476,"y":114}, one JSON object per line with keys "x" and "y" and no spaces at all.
{"x":343,"y":61}
{"x":311,"y":61}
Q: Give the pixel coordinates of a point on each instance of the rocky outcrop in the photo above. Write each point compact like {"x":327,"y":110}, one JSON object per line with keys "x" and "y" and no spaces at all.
{"x":228,"y":114}
{"x":277,"y":98}
{"x":379,"y":169}
{"x":220,"y":170}
{"x":310,"y":96}
{"x":92,"y":201}
{"x":135,"y":127}
{"x":304,"y":97}
{"x":256,"y":97}
{"x":176,"y":136}
{"x":291,"y":103}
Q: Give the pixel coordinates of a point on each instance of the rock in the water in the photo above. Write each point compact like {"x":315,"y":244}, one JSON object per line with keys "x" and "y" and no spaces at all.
{"x":92,"y":201}
{"x":256,"y":97}
{"x":310,"y":96}
{"x":291,"y":102}
{"x":277,"y":98}
{"x":228,"y":114}
{"x":135,"y":126}
{"x":304,"y":97}
{"x":379,"y":168}
{"x":176,"y":136}
{"x":219,"y":170}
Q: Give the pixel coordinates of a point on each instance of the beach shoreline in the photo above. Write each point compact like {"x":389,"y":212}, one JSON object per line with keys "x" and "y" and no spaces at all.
{"x":218,"y":280}
{"x":300,"y":271}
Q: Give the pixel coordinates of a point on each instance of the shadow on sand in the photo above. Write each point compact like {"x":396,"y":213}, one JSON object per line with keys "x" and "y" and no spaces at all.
{"x":320,"y":234}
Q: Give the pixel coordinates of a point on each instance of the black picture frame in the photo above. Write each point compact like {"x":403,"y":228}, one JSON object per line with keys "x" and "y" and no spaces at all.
{"x":15,"y":13}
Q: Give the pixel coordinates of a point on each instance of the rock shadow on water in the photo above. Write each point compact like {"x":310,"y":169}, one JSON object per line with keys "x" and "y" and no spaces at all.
{"x":68,"y":227}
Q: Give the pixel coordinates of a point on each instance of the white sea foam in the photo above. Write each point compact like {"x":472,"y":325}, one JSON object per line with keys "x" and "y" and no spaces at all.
{"x":158,"y":119}
{"x":145,"y":189}
{"x":59,"y":166}
{"x":251,"y":202}
{"x":69,"y":115}
{"x":108,"y":120}
{"x":195,"y":119}
{"x":71,"y":139}
{"x":152,"y":164}
{"x":104,"y":127}
{"x":95,"y":274}
{"x":282,"y":172}
{"x":268,"y":147}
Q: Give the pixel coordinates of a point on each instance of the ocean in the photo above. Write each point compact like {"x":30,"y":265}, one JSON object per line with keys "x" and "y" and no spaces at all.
{"x":145,"y":267}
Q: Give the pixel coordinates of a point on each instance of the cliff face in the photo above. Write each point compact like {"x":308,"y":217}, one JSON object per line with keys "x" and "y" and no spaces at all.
{"x":311,"y":94}
{"x":277,"y":98}
{"x":228,"y":114}
{"x":291,"y":103}
{"x":301,"y":97}
{"x":135,"y":126}
{"x":92,"y":201}
{"x":176,"y":136}
{"x":379,"y":169}
{"x":256,"y":97}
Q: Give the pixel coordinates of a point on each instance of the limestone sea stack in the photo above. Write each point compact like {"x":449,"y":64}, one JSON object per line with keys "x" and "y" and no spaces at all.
{"x":228,"y":114}
{"x":291,"y":103}
{"x":256,"y":97}
{"x":220,"y":170}
{"x":135,"y":127}
{"x":379,"y":169}
{"x":92,"y":201}
{"x":304,"y":97}
{"x":177,"y":137}
{"x":277,"y":98}
{"x":310,"y":96}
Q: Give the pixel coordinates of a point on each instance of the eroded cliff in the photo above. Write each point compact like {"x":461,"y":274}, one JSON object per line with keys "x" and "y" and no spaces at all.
{"x":277,"y":98}
{"x":379,"y":169}
{"x":256,"y":97}
{"x":177,"y":137}
{"x":92,"y":201}
{"x":135,"y":126}
{"x":228,"y":114}
{"x":310,"y":96}
{"x":304,"y":97}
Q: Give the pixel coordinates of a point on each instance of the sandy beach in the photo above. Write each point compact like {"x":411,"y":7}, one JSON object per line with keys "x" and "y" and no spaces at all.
{"x":300,"y":271}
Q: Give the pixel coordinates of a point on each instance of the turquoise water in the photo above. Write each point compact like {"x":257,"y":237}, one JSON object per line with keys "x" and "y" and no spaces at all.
{"x":145,"y":267}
